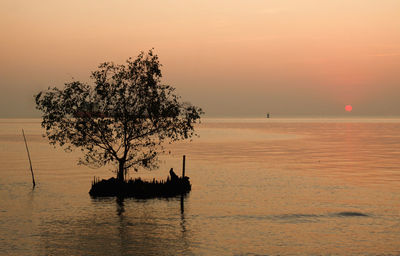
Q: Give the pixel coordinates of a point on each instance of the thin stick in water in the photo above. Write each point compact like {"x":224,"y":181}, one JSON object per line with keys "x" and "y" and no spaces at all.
{"x":183,"y":166}
{"x":29,"y":157}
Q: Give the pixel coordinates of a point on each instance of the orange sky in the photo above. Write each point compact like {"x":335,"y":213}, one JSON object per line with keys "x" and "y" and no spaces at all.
{"x":233,"y":58}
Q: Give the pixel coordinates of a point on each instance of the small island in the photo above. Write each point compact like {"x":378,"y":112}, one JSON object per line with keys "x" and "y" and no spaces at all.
{"x":123,"y":119}
{"x":138,"y":188}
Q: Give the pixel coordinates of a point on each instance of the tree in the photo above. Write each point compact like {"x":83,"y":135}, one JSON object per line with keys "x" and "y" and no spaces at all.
{"x":123,"y":119}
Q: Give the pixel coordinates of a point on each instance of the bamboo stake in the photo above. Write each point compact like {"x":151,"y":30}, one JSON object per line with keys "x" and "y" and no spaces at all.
{"x":183,"y":176}
{"x":29,"y":157}
{"x":183,"y":166}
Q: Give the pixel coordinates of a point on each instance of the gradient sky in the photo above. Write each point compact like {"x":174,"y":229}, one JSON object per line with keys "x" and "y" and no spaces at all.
{"x":232,"y":58}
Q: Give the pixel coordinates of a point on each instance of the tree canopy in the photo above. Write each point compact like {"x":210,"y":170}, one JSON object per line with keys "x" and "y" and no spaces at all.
{"x":124,"y":118}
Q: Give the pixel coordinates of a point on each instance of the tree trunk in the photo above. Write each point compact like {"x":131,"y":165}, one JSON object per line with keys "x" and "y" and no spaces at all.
{"x":121,"y":169}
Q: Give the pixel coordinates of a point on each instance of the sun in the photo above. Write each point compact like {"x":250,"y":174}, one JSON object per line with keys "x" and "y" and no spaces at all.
{"x":348,"y":108}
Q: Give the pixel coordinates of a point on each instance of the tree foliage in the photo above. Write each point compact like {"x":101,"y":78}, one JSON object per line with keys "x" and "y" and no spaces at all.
{"x":123,"y":118}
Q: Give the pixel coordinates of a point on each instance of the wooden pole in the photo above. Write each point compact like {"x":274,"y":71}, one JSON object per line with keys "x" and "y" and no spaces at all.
{"x":183,"y":166}
{"x":29,"y":157}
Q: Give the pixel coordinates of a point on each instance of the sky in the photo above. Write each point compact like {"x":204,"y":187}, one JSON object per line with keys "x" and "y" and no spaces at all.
{"x":232,"y":58}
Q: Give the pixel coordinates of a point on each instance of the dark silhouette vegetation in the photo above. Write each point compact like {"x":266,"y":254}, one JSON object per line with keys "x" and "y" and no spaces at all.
{"x":138,"y":188}
{"x":123,"y":119}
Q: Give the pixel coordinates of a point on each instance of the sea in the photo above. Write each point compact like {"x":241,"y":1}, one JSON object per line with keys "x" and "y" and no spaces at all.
{"x":305,"y":186}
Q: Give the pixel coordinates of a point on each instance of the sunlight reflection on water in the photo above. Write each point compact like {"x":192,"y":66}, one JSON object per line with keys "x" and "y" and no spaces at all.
{"x":259,"y":187}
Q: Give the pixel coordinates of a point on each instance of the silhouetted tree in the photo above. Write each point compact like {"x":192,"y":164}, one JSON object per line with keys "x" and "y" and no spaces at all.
{"x":124,"y":118}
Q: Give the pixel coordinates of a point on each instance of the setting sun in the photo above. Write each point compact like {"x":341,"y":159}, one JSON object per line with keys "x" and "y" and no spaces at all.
{"x":348,"y":108}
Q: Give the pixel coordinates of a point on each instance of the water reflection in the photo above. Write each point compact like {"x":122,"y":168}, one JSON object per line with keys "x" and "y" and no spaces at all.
{"x":122,"y":228}
{"x":120,"y":206}
{"x":314,"y":188}
{"x":117,"y":226}
{"x":183,"y":224}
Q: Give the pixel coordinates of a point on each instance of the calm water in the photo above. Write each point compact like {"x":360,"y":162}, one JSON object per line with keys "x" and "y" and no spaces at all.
{"x":288,"y":187}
